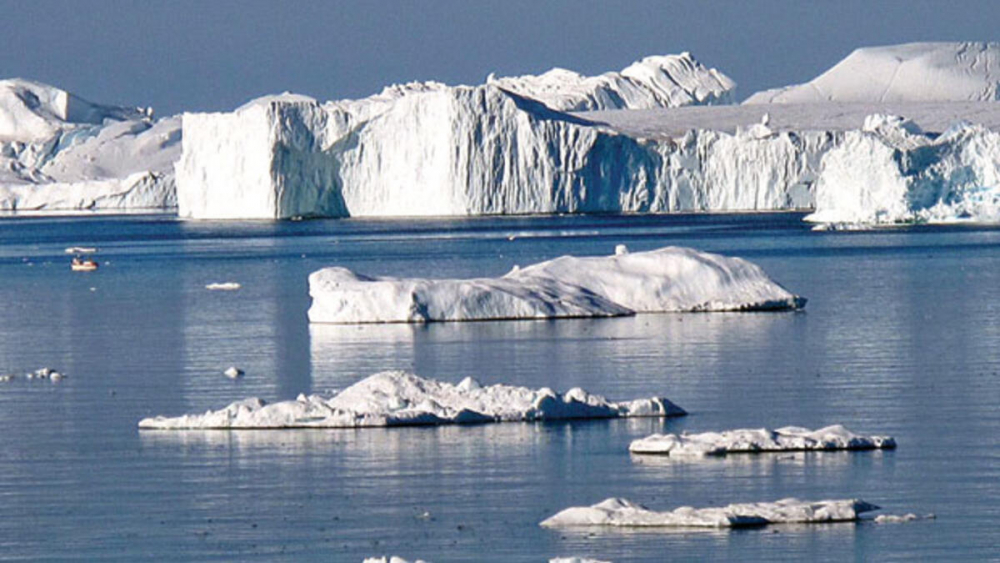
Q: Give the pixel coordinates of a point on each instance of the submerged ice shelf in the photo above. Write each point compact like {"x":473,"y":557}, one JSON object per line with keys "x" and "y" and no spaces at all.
{"x":789,"y":438}
{"x":623,"y":513}
{"x":396,"y":398}
{"x":671,"y":279}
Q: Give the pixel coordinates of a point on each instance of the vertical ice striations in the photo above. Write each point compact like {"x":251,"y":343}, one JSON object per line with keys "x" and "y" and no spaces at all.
{"x":892,"y":173}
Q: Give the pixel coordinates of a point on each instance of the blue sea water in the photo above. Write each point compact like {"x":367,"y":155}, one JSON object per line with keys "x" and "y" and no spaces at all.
{"x":900,"y":336}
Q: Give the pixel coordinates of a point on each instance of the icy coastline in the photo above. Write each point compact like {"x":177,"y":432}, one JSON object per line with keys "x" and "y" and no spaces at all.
{"x":671,"y":279}
{"x":789,"y":438}
{"x":623,"y":513}
{"x":396,"y":398}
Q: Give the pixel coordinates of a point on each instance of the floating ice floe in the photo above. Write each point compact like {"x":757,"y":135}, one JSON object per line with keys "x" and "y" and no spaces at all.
{"x":223,"y":286}
{"x":396,"y":398}
{"x":391,"y":559}
{"x":670,"y":279}
{"x":789,"y":438}
{"x":621,"y":512}
{"x":81,"y":250}
{"x":233,"y":372}
{"x":576,"y":560}
{"x":901,"y":518}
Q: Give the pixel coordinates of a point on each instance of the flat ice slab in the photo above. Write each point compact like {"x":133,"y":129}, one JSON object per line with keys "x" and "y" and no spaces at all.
{"x":670,"y":279}
{"x":395,"y":398}
{"x":621,"y":512}
{"x":789,"y":438}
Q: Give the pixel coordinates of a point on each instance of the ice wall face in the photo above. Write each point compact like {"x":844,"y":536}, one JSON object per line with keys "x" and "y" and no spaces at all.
{"x":959,"y":71}
{"x":653,"y":82}
{"x":60,"y":152}
{"x":437,"y":150}
{"x":891,"y":173}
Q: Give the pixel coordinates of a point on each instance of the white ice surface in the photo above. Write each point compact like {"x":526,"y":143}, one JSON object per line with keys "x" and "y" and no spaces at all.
{"x":671,"y":279}
{"x":60,"y":152}
{"x":223,"y":286}
{"x":653,"y":82}
{"x":789,"y":438}
{"x":890,"y":172}
{"x":391,"y":559}
{"x":621,"y":512}
{"x":957,"y":71}
{"x":396,"y":398}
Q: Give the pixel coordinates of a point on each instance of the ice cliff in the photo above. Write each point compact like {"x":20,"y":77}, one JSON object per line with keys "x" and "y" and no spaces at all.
{"x":890,"y":172}
{"x":666,"y":280}
{"x":61,"y":152}
{"x":912,"y":72}
{"x":395,"y":398}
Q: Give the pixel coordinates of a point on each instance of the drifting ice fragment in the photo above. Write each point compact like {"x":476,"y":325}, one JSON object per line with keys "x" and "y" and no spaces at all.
{"x":789,"y":438}
{"x":670,"y":279}
{"x":233,"y":372}
{"x":223,"y":286}
{"x":396,"y":398}
{"x":620,"y":512}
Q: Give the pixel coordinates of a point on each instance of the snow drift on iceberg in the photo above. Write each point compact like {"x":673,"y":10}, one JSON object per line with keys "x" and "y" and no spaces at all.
{"x":890,"y":172}
{"x":396,"y":398}
{"x":670,"y":279}
{"x":621,"y":512}
{"x":58,"y":151}
{"x":789,"y":438}
{"x":959,"y":71}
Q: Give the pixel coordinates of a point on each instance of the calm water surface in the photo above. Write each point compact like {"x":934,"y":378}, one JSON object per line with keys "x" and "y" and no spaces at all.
{"x":900,"y":336}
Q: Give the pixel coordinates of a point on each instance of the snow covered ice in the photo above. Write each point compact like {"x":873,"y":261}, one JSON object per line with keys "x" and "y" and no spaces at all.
{"x":396,"y":398}
{"x":957,"y":71}
{"x":621,"y":512}
{"x":789,"y":438}
{"x":60,"y":152}
{"x":671,"y":279}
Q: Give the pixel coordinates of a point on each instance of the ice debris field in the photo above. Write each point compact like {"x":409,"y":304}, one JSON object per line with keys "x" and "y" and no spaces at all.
{"x":396,"y":398}
{"x":670,"y":279}
{"x":891,"y":135}
{"x":787,"y":439}
{"x":623,"y":513}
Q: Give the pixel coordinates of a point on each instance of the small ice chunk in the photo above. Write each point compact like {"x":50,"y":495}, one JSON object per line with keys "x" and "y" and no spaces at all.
{"x":223,"y":286}
{"x":81,"y":250}
{"x":901,"y":518}
{"x":621,"y":250}
{"x":233,"y":372}
{"x":576,"y":560}
{"x":395,"y":398}
{"x":621,"y":512}
{"x":7,"y":377}
{"x":391,"y":559}
{"x":745,"y":440}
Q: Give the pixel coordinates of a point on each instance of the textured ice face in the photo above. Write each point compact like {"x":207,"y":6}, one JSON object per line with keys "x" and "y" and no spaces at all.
{"x":621,"y":512}
{"x":790,"y":438}
{"x":889,"y":174}
{"x":670,"y":279}
{"x":959,"y":71}
{"x":399,"y":398}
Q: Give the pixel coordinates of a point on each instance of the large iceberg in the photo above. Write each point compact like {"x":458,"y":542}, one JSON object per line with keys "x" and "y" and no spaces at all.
{"x":621,"y":512}
{"x":61,"y":152}
{"x":789,"y":438}
{"x":891,"y":172}
{"x":396,"y":398}
{"x":913,"y":72}
{"x":498,"y":148}
{"x":671,"y":279}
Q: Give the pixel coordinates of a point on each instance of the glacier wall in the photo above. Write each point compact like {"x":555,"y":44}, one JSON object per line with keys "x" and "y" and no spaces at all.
{"x":890,"y":172}
{"x":439,"y":151}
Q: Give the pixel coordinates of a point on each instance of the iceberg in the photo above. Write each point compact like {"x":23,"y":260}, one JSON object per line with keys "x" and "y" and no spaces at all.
{"x":621,"y":512}
{"x":913,"y":72}
{"x":654,"y":82}
{"x":395,"y":398}
{"x":61,"y":152}
{"x":789,"y":438}
{"x":670,"y":279}
{"x":890,"y":172}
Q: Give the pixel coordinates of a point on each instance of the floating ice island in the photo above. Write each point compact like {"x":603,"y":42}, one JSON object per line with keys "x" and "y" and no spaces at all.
{"x":396,"y":398}
{"x":670,"y":279}
{"x":787,"y":439}
{"x":623,"y":513}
